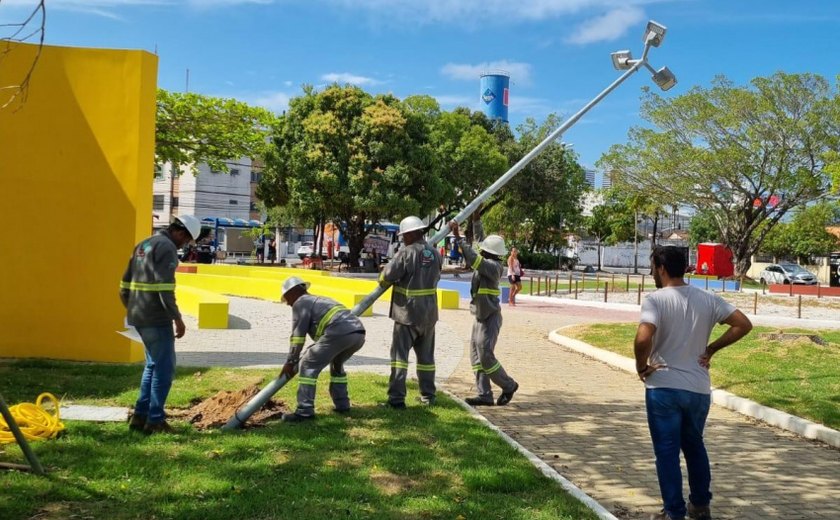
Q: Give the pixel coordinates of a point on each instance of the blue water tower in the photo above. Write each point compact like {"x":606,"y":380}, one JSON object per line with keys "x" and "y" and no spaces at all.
{"x":495,"y":94}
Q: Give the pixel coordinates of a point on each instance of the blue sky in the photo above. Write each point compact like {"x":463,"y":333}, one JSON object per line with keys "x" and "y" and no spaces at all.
{"x":558,"y":51}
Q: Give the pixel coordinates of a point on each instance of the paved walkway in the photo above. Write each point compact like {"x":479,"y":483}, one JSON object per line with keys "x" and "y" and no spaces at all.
{"x":587,"y":420}
{"x":583,"y":417}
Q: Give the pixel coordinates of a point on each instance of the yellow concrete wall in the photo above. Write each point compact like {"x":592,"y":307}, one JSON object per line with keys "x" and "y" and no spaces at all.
{"x":76,"y":160}
{"x":280,"y":273}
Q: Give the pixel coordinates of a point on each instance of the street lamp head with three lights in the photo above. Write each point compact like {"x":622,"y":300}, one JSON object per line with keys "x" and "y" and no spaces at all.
{"x":654,"y":34}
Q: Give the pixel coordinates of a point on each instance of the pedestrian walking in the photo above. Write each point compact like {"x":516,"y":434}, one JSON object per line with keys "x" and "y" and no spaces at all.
{"x":487,"y":270}
{"x":338,"y":334}
{"x":414,"y":273}
{"x":673,"y":357}
{"x":514,"y":273}
{"x":147,"y":291}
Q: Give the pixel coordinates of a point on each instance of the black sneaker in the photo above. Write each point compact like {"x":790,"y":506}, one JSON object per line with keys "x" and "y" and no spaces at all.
{"x":699,"y":512}
{"x":507,"y":396}
{"x":395,"y":406}
{"x":161,"y":427}
{"x":137,"y":423}
{"x":478,"y":401}
{"x":294,"y":417}
{"x":342,"y":410}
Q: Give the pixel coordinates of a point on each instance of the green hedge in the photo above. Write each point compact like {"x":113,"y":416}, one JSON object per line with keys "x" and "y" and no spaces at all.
{"x":540,"y":261}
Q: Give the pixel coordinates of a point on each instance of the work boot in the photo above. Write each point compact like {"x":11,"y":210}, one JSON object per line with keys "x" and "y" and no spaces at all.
{"x":426,"y":401}
{"x":478,"y":401}
{"x":295,"y":417}
{"x":699,"y":512}
{"x":395,"y":406}
{"x":342,"y":411}
{"x":662,"y":515}
{"x":507,"y":396}
{"x":161,"y":427}
{"x":137,"y":423}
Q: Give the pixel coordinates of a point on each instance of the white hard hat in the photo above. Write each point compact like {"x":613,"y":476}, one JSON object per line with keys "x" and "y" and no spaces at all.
{"x":192,"y":224}
{"x":494,"y":244}
{"x":411,"y":224}
{"x":290,"y":284}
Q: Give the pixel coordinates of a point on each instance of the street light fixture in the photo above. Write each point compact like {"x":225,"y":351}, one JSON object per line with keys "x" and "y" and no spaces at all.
{"x":654,"y":34}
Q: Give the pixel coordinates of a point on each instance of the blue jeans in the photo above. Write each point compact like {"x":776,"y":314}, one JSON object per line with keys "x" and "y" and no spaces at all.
{"x":159,"y":343}
{"x":676,"y":419}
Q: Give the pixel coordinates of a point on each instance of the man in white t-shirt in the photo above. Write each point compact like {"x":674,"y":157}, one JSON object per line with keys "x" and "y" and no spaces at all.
{"x":673,"y":356}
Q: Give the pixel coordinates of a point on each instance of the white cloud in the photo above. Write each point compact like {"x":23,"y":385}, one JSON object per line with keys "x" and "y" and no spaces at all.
{"x":457,"y":101}
{"x":274,"y":101}
{"x":287,"y":83}
{"x":346,"y":77}
{"x":607,"y":27}
{"x":105,"y":8}
{"x":519,"y":72}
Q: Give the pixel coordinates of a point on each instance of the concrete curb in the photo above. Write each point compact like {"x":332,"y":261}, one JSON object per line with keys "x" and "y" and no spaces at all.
{"x":544,"y":468}
{"x":771,"y":416}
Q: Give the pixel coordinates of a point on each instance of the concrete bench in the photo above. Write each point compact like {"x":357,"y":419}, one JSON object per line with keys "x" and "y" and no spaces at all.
{"x":210,"y":308}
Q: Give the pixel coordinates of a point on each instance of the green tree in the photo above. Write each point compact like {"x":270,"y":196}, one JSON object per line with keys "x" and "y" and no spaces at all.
{"x":193,"y":128}
{"x":747,"y":154}
{"x":342,"y":155}
{"x":806,"y":235}
{"x":703,"y":227}
{"x":611,"y":222}
{"x":545,"y":195}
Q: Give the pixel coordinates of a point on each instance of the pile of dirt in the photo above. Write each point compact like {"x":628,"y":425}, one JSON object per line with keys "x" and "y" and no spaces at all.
{"x":215,"y":411}
{"x":781,"y":336}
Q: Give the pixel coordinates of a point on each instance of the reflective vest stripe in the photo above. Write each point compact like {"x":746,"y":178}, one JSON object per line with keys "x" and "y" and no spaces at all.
{"x":298,"y":340}
{"x":477,"y":368}
{"x":311,"y":381}
{"x":477,"y":262}
{"x":147,"y":287}
{"x":326,"y":320}
{"x":399,"y":364}
{"x":425,"y":368}
{"x":491,"y":292}
{"x":415,"y":292}
{"x":338,"y":379}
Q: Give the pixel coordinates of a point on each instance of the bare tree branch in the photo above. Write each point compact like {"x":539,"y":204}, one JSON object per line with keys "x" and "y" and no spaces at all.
{"x":33,"y":27}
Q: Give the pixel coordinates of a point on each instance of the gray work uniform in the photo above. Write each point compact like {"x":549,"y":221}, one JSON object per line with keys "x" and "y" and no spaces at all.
{"x":488,"y":322}
{"x":147,"y":288}
{"x":338,"y":334}
{"x":414,"y":273}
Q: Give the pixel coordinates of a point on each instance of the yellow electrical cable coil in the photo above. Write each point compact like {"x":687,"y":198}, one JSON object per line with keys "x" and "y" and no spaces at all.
{"x":35,"y":422}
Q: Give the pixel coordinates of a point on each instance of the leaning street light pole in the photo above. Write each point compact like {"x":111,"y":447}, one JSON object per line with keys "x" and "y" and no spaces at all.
{"x":622,"y":60}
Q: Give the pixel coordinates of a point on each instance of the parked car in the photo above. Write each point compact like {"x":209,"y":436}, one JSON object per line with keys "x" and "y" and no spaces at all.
{"x":306,"y":249}
{"x":787,"y":274}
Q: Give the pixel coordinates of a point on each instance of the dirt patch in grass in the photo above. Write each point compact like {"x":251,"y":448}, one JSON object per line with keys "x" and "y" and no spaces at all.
{"x":391,"y":484}
{"x":217,"y":410}
{"x":797,"y":338}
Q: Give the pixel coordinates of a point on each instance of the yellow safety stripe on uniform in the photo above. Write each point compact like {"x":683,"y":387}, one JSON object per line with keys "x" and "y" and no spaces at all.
{"x":147,"y":287}
{"x":425,"y":368}
{"x":297,"y":340}
{"x":494,"y":368}
{"x":382,"y":276}
{"x":399,"y":364}
{"x":326,"y":320}
{"x":477,"y":368}
{"x":311,"y":381}
{"x":338,"y":379}
{"x":415,"y":292}
{"x":477,"y":262}
{"x":492,"y":292}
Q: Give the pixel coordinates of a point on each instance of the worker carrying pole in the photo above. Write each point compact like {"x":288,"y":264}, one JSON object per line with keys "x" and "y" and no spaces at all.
{"x":632,"y":66}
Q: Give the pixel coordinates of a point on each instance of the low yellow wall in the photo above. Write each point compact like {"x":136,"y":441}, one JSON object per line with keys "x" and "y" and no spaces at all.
{"x":257,"y":272}
{"x":210,"y":308}
{"x":264,"y":288}
{"x":76,"y":159}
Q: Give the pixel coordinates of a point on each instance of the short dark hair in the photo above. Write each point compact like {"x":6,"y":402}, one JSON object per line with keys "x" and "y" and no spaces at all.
{"x":672,"y":258}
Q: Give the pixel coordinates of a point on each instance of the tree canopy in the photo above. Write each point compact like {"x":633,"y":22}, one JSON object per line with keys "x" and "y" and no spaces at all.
{"x":193,"y":128}
{"x":746,"y":154}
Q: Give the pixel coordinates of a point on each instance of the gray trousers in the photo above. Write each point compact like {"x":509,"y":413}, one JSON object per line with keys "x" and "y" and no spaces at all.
{"x":329,"y":350}
{"x":422,"y":340}
{"x":484,"y":363}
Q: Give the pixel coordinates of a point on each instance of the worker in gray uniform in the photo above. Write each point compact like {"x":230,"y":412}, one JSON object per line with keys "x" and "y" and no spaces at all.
{"x":487,"y":271}
{"x":414,"y":273}
{"x":338,"y":334}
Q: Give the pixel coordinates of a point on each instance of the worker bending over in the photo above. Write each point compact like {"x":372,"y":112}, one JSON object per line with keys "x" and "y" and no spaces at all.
{"x":487,"y":270}
{"x":338,"y":334}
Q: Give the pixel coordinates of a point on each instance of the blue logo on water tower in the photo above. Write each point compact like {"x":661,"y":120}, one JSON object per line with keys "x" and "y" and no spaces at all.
{"x":488,"y":96}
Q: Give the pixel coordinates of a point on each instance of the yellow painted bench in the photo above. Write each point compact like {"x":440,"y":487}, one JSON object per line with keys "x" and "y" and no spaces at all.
{"x":209,"y":307}
{"x":264,"y":288}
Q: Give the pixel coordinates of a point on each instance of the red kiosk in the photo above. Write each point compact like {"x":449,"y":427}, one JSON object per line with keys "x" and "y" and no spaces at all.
{"x":714,"y":260}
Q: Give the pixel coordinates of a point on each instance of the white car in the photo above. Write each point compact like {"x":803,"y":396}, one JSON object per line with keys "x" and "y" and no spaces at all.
{"x":306,"y":249}
{"x":787,"y":274}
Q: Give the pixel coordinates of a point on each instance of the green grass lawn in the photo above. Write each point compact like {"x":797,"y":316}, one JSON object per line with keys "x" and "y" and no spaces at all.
{"x":376,"y":463}
{"x":799,"y":377}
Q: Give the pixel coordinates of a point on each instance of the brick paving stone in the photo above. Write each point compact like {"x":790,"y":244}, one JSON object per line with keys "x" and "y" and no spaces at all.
{"x":588,"y":421}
